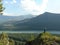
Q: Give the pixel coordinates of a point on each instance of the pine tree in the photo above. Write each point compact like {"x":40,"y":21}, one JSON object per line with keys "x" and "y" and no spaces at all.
{"x":1,"y":7}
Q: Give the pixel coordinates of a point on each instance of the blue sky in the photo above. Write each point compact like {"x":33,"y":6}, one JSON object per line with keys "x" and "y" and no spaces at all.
{"x":34,"y":7}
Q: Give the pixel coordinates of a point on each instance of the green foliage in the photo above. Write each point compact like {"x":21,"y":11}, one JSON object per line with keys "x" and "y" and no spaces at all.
{"x":0,"y":0}
{"x":4,"y":39}
{"x":45,"y":38}
{"x":4,"y":36}
{"x":35,"y":39}
{"x":32,"y":39}
{"x":1,"y":7}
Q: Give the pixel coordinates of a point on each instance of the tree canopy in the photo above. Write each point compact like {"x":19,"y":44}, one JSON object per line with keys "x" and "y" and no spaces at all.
{"x":1,"y":7}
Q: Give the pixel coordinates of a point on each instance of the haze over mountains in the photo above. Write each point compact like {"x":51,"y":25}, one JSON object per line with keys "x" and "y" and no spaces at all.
{"x":49,"y":20}
{"x":4,"y":19}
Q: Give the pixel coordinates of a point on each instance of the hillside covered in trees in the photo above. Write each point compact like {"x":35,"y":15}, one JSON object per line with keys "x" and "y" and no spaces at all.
{"x":47,"y":19}
{"x":4,"y":40}
{"x":44,"y":38}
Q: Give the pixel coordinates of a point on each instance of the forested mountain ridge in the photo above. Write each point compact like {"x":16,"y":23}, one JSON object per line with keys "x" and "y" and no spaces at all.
{"x":49,"y":20}
{"x":4,"y":18}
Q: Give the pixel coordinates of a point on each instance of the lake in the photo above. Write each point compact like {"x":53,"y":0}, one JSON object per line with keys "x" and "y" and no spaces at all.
{"x":53,"y":32}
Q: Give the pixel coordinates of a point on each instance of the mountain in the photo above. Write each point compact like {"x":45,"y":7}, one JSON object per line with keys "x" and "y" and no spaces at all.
{"x":49,"y":20}
{"x":10,"y":20}
{"x":4,"y":19}
{"x":19,"y":18}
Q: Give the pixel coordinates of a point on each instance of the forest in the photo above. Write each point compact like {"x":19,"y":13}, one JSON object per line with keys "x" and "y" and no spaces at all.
{"x":44,"y":38}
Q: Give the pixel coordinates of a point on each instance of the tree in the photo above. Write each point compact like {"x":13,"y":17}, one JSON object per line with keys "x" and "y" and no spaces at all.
{"x":1,"y":7}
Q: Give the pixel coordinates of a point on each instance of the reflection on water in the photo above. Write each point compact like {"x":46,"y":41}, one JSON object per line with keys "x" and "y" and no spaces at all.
{"x":53,"y":32}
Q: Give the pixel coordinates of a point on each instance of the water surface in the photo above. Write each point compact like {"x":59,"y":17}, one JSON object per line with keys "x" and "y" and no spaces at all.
{"x":53,"y":32}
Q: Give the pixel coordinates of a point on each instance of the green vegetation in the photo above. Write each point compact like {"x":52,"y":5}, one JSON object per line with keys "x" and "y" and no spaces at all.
{"x":48,"y":39}
{"x":4,"y":40}
{"x":1,"y":7}
{"x":44,"y":38}
{"x":23,"y":36}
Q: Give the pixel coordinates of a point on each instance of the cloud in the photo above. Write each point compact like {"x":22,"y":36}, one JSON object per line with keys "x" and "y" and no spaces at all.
{"x":10,"y":14}
{"x":14,"y":1}
{"x":53,"y":6}
{"x":32,"y":7}
{"x":11,"y":2}
{"x":7,"y":14}
{"x":6,"y":2}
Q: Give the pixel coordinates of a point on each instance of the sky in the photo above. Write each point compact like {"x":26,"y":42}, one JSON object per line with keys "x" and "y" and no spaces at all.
{"x":34,"y":7}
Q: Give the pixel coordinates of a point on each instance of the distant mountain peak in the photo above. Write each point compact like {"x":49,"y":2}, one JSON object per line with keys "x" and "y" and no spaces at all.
{"x":49,"y":20}
{"x":50,"y":13}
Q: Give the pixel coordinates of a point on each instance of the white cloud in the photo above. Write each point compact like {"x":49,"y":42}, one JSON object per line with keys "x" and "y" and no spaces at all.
{"x":11,"y":2}
{"x":7,"y":14}
{"x":10,"y":14}
{"x":14,"y":1}
{"x":53,"y":6}
{"x":32,"y":7}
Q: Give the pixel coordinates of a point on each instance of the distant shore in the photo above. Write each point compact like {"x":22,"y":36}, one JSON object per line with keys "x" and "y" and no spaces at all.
{"x":52,"y":32}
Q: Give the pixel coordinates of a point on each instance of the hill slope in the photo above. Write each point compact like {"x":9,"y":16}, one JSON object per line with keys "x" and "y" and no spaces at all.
{"x":49,"y":20}
{"x":5,"y":18}
{"x":45,"y":39}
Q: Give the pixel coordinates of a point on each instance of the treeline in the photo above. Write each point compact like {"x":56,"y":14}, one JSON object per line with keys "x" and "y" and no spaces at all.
{"x":22,"y":38}
{"x":43,"y":38}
